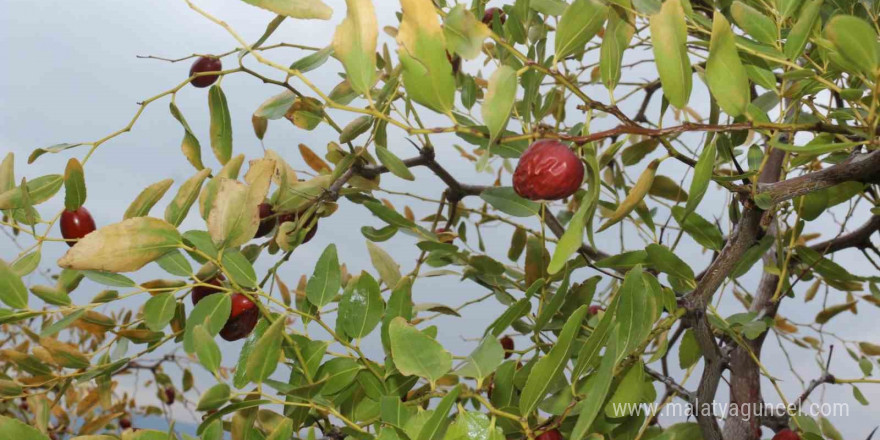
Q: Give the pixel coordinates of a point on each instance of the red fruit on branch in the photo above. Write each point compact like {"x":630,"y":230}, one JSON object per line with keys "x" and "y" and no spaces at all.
{"x":267,"y":220}
{"x":242,"y":319}
{"x":507,"y":345}
{"x":548,"y":170}
{"x":455,"y":60}
{"x":490,"y":13}
{"x":786,"y":434}
{"x":76,"y":224}
{"x":205,"y":64}
{"x":294,"y":217}
{"x":170,"y":394}
{"x":552,"y":434}
{"x":594,"y":310}
{"x":125,"y":423}
{"x":200,"y":292}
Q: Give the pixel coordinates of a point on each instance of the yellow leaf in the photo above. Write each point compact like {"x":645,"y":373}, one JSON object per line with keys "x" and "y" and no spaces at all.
{"x":355,"y":44}
{"x":122,"y":247}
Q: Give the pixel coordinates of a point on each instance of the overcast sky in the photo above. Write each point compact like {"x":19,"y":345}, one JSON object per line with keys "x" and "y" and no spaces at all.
{"x":70,"y":75}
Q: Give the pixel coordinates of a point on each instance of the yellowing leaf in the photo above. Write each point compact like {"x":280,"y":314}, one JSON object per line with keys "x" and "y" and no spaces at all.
{"x":499,"y":100}
{"x":427,"y":74}
{"x":464,"y":33}
{"x":355,"y":44}
{"x":295,"y":8}
{"x":635,"y":196}
{"x":669,"y":34}
{"x":122,"y":247}
{"x":856,"y":40}
{"x":725,"y":74}
{"x":221,"y":124}
{"x":235,"y":215}
{"x":142,"y":204}
{"x":313,"y":160}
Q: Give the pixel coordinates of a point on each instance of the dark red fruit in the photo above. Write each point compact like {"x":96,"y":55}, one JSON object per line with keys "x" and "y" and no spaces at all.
{"x":76,"y":224}
{"x":594,"y":310}
{"x":552,"y":434}
{"x":786,"y":434}
{"x":455,"y":60}
{"x":170,"y":394}
{"x":200,"y":292}
{"x":241,"y":320}
{"x":205,"y":64}
{"x":507,"y":345}
{"x":294,"y":217}
{"x":267,"y":220}
{"x":125,"y":423}
{"x":489,"y":16}
{"x":548,"y":170}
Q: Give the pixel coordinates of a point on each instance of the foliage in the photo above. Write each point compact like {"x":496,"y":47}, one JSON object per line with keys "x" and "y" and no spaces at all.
{"x":790,"y":141}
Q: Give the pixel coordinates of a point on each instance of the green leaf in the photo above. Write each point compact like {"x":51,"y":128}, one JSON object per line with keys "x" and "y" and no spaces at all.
{"x":725,"y":74}
{"x":109,"y":278}
{"x":579,"y":23}
{"x":38,"y":191}
{"x":122,"y":247}
{"x":548,"y":311}
{"x":15,"y":429}
{"x":814,"y":148}
{"x":61,"y":324}
{"x":325,"y":281}
{"x":483,"y":360}
{"x":264,"y":357}
{"x":427,"y":74}
{"x":187,"y":194}
{"x":399,"y":304}
{"x":618,"y":33}
{"x":57,"y":148}
{"x":667,"y":262}
{"x":416,"y":353}
{"x":361,"y":307}
{"x":74,"y":185}
{"x":700,"y":229}
{"x":800,"y":33}
{"x":548,"y":368}
{"x":338,"y":374}
{"x":295,"y":8}
{"x":598,"y":386}
{"x":240,"y":270}
{"x":464,"y":33}
{"x":498,"y":101}
{"x":856,"y":40}
{"x":211,"y":312}
{"x":12,"y":290}
{"x":628,"y":393}
{"x":206,"y":349}
{"x":689,"y":350}
{"x":147,"y":198}
{"x":51,"y":295}
{"x":667,"y":188}
{"x":221,"y":124}
{"x":239,"y":379}
{"x":393,"y":163}
{"x":634,"y":313}
{"x":312,"y":61}
{"x":506,"y":200}
{"x":214,"y":397}
{"x":435,"y":424}
{"x":190,"y":145}
{"x":471,"y":425}
{"x":282,"y":431}
{"x":276,"y":106}
{"x":354,"y":44}
{"x":175,"y":263}
{"x":754,"y":22}
{"x":159,"y":310}
{"x":7,"y":173}
{"x":702,"y":175}
{"x":669,"y":41}
{"x":388,"y":269}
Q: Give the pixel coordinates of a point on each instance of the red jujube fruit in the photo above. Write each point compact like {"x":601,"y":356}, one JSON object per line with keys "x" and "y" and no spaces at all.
{"x":76,"y":224}
{"x":205,"y":64}
{"x":786,"y":434}
{"x":490,"y":14}
{"x":267,"y":220}
{"x":507,"y":345}
{"x":548,"y":170}
{"x":552,"y":434}
{"x":242,"y":319}
{"x":294,"y":217}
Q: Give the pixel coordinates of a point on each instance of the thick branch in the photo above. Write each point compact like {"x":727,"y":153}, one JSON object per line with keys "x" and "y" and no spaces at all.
{"x":860,"y":167}
{"x":859,"y":238}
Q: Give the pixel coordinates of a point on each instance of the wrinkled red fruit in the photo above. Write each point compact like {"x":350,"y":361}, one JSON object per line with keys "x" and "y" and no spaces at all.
{"x":507,"y":345}
{"x":170,"y":394}
{"x":548,"y":170}
{"x":200,"y":292}
{"x":552,"y":434}
{"x":489,"y":16}
{"x":242,"y":319}
{"x":205,"y":64}
{"x":125,"y":423}
{"x":455,"y":60}
{"x":294,"y":217}
{"x":267,"y":220}
{"x":786,"y":434}
{"x":76,"y":224}
{"x":594,"y":310}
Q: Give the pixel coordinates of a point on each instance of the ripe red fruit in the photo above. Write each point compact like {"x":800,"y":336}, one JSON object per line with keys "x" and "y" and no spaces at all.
{"x":490,"y":13}
{"x":242,"y":319}
{"x":294,"y":217}
{"x":594,"y":310}
{"x":455,"y":60}
{"x":125,"y":423}
{"x":267,"y":220}
{"x":76,"y":224}
{"x":786,"y":434}
{"x":507,"y":345}
{"x":170,"y":394}
{"x":200,"y":292}
{"x":548,"y":170}
{"x":552,"y":434}
{"x":205,"y":64}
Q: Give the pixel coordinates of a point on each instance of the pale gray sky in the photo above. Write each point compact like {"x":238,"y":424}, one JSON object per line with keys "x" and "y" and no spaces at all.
{"x":70,"y":74}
